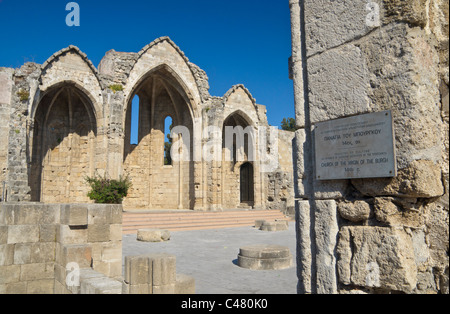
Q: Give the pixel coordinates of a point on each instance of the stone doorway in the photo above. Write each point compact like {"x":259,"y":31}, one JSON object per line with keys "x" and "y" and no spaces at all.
{"x":247,"y":184}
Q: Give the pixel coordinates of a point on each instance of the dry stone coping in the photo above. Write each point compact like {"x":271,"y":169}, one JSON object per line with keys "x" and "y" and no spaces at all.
{"x":153,"y":235}
{"x":265,"y":257}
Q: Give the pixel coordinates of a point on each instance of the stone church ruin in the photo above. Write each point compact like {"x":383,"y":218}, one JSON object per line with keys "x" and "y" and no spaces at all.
{"x":65,"y":120}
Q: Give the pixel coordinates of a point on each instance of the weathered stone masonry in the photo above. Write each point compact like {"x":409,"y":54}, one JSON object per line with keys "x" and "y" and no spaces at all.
{"x":373,"y":235}
{"x":66,"y":119}
{"x":77,"y":249}
{"x":39,"y":241}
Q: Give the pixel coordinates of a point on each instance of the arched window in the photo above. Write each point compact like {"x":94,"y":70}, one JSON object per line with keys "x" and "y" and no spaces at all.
{"x":237,"y":139}
{"x":134,"y":134}
{"x":168,"y":125}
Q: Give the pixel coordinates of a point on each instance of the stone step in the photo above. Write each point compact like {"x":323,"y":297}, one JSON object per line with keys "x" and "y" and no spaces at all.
{"x":183,"y":220}
{"x":128,"y":214}
{"x":186,"y":218}
{"x":187,"y":225}
{"x":133,"y":230}
{"x":181,"y":215}
{"x":158,"y":223}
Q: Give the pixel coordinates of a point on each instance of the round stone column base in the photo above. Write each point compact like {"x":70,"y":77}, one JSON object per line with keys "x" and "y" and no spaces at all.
{"x":265,"y":257}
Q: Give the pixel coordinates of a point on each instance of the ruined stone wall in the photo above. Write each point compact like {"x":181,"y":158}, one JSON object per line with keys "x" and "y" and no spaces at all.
{"x":24,"y":87}
{"x":355,"y":57}
{"x":66,"y":119}
{"x":280,"y":187}
{"x":5,"y":102}
{"x":206,"y":185}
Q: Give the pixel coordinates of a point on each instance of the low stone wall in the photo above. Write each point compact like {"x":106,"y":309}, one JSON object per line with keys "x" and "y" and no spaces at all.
{"x":38,"y":242}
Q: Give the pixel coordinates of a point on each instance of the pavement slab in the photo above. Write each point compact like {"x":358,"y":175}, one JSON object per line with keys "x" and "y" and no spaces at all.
{"x":210,"y":256}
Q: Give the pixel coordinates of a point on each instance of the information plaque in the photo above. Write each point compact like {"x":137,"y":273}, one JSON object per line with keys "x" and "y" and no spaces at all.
{"x":355,"y":147}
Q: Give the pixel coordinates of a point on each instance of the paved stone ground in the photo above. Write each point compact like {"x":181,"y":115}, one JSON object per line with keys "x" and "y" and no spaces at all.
{"x":210,"y":256}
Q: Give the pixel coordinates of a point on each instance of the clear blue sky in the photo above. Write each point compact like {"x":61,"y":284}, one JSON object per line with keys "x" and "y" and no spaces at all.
{"x":235,"y":41}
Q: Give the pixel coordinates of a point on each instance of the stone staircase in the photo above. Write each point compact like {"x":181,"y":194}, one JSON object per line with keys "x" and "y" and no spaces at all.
{"x":192,"y":220}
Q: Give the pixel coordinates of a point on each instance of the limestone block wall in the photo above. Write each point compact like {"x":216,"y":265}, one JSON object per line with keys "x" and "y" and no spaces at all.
{"x":38,"y":241}
{"x":6,"y":85}
{"x":25,"y":85}
{"x":354,"y":57}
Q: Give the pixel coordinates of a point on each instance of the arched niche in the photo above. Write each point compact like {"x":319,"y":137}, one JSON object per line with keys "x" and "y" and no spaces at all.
{"x":63,"y":139}
{"x":239,"y":175}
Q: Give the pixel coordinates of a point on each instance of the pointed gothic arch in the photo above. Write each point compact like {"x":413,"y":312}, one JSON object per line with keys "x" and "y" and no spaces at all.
{"x":157,"y":184}
{"x":63,"y":139}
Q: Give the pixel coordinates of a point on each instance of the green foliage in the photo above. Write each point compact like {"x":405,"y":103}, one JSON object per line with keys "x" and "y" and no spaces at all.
{"x":116,"y":88}
{"x":288,"y":124}
{"x":107,"y":191}
{"x":23,"y":95}
{"x":167,"y":157}
{"x":167,"y":148}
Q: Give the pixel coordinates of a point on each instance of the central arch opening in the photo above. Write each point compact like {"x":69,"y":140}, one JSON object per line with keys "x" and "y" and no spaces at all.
{"x":158,"y":181}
